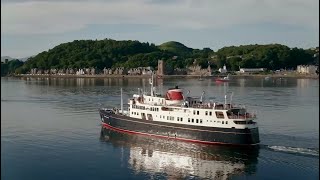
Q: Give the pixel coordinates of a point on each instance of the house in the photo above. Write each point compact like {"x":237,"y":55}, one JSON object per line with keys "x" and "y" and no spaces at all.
{"x":223,"y":70}
{"x":307,"y":69}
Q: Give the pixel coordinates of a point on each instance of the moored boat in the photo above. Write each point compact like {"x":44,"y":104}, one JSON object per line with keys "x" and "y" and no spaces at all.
{"x":224,"y":79}
{"x":184,"y":118}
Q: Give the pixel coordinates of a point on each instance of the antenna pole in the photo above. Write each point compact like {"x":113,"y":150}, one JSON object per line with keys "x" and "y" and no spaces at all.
{"x":121,"y":102}
{"x":231,"y":98}
{"x":151,"y":83}
{"x":225,"y":100}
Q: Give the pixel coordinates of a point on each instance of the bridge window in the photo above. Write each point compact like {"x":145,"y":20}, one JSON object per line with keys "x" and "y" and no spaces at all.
{"x":219,"y":115}
{"x":239,"y":122}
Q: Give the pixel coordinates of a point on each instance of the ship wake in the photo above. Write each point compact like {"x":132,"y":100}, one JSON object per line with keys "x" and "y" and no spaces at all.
{"x":296,"y":150}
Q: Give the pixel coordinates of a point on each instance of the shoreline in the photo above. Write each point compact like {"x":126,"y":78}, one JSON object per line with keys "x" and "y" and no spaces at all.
{"x":170,"y":76}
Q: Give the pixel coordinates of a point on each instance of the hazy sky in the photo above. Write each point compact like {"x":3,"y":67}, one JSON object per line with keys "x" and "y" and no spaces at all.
{"x":29,"y":27}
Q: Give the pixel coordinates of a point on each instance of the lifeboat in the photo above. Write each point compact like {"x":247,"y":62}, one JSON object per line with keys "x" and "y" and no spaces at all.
{"x":174,"y":94}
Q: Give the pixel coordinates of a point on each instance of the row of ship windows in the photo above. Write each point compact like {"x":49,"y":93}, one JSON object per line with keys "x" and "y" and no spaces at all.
{"x":218,"y":121}
{"x":144,"y":108}
{"x":219,"y":114}
{"x":189,"y":119}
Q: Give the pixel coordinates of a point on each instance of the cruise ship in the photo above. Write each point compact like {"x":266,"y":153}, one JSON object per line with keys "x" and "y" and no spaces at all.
{"x":182,"y":117}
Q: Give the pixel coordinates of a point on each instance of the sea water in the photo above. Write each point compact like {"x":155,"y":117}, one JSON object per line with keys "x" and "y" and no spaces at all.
{"x":50,"y":129}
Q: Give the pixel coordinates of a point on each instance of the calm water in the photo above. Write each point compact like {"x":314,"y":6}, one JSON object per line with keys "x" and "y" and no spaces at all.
{"x":50,"y":129}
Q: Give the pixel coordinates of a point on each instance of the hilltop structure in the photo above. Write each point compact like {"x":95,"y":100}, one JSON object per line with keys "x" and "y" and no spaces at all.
{"x":160,"y":71}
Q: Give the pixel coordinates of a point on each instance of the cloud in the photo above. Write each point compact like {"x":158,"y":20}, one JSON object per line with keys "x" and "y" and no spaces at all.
{"x":51,"y":17}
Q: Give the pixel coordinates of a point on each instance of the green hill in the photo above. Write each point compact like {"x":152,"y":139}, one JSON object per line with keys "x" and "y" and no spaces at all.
{"x":175,"y":47}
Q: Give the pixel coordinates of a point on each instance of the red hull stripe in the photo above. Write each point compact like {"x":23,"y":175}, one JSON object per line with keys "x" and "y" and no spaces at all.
{"x":160,"y":136}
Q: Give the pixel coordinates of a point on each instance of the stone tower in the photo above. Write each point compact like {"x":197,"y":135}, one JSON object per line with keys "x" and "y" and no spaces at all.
{"x":160,"y":71}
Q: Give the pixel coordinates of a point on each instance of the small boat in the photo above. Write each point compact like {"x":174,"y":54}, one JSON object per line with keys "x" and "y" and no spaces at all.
{"x":224,"y":79}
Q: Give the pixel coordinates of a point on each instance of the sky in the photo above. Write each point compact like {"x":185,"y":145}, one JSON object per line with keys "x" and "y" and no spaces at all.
{"x":29,"y":27}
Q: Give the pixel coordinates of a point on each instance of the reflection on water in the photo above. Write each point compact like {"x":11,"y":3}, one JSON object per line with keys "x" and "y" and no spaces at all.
{"x":144,"y":81}
{"x":178,"y":160}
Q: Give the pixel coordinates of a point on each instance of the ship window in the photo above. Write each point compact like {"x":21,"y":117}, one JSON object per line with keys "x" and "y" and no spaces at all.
{"x":143,"y":116}
{"x":192,"y":120}
{"x":194,"y":112}
{"x":210,"y":113}
{"x":206,"y":113}
{"x":200,"y":120}
{"x":222,"y":122}
{"x":219,"y":115}
{"x":178,"y":119}
{"x":226,"y":122}
{"x":197,"y":120}
{"x":181,"y":119}
{"x":167,"y":117}
{"x":197,"y":112}
{"x":160,"y":116}
{"x":188,"y":119}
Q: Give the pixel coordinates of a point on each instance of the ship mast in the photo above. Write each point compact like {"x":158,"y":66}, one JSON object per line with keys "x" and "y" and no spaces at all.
{"x":121,"y":102}
{"x":151,"y":83}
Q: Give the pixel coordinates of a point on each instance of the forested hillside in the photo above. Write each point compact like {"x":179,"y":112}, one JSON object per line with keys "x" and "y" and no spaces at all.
{"x":129,"y":54}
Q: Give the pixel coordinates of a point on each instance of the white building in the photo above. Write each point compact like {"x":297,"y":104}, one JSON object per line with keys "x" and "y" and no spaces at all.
{"x":307,"y":69}
{"x":223,"y":70}
{"x":80,"y":72}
